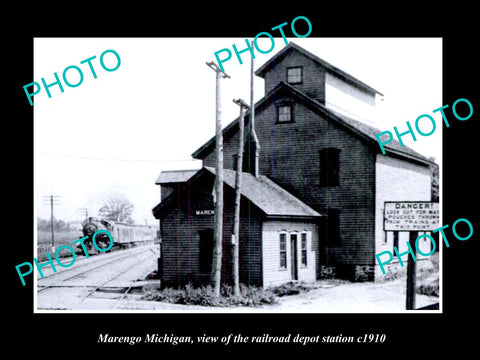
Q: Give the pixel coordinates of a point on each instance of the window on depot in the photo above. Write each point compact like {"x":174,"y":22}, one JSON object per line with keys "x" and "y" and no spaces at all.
{"x":294,"y":75}
{"x":304,"y":249}
{"x":283,"y":251}
{"x":206,"y":250}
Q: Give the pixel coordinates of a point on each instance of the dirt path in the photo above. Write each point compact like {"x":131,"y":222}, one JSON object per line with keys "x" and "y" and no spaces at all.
{"x":351,"y":297}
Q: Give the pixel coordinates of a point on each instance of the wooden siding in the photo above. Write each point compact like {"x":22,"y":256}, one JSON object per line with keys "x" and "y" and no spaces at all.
{"x":398,"y":180}
{"x":313,"y":84}
{"x":180,"y":238}
{"x":167,"y":189}
{"x":290,"y":157}
{"x":298,"y":172}
{"x":273,"y":274}
{"x":181,"y":241}
{"x":347,"y":99}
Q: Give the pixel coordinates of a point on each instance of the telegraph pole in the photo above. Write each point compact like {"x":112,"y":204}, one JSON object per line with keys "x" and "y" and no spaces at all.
{"x":238,"y":190}
{"x":86,"y":212}
{"x":54,"y":199}
{"x":252,"y":133}
{"x":218,"y":227}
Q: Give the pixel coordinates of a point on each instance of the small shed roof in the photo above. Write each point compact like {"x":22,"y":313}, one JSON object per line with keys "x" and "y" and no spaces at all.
{"x":174,"y":176}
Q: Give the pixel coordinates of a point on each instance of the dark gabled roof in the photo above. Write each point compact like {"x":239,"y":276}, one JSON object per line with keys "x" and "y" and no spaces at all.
{"x":271,"y":199}
{"x":329,"y":67}
{"x":174,"y":176}
{"x":394,"y":147}
{"x":363,"y":131}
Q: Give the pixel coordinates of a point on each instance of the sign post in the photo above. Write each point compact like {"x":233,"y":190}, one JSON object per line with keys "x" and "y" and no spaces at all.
{"x":411,"y":272}
{"x":411,"y":216}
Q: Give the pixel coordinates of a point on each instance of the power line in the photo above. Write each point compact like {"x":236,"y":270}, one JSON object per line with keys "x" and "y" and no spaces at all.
{"x":117,"y":159}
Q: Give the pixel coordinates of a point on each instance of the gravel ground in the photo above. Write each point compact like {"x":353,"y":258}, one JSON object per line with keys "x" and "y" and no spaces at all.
{"x":352,"y":297}
{"x":326,"y":297}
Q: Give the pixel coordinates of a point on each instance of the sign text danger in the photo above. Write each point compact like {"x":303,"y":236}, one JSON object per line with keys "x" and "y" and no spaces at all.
{"x":411,"y":216}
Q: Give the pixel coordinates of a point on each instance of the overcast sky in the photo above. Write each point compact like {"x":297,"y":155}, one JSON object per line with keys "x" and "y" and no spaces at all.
{"x":117,"y":132}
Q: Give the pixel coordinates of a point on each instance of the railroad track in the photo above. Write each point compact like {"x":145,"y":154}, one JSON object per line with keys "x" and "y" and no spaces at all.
{"x":90,"y":264}
{"x":109,"y":280}
{"x":97,"y":275}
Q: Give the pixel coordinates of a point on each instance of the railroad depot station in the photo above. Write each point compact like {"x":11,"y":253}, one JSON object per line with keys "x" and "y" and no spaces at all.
{"x":314,"y":184}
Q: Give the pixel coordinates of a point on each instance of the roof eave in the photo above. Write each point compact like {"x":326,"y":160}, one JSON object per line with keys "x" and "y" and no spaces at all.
{"x":188,"y":172}
{"x":326,"y":112}
{"x":390,"y":151}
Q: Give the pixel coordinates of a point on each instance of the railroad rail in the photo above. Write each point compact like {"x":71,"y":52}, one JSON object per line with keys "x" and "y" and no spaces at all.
{"x":116,"y":272}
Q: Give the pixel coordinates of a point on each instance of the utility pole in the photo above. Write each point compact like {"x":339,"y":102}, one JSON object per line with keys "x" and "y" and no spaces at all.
{"x":238,"y":190}
{"x":253,"y":134}
{"x":54,"y":199}
{"x":218,"y":226}
{"x":252,"y":104}
{"x":86,"y":212}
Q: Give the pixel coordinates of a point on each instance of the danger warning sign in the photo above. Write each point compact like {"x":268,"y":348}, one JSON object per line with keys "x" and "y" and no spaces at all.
{"x":411,"y":216}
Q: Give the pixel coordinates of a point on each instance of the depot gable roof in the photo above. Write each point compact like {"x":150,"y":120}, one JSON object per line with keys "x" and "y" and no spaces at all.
{"x":269,"y":197}
{"x":274,"y":201}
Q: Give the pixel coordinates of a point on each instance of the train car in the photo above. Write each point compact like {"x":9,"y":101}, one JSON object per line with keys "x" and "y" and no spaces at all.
{"x":128,"y":234}
{"x":123,"y":235}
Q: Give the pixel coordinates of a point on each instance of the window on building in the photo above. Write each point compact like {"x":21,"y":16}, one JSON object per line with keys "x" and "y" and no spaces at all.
{"x":332,"y":227}
{"x":395,"y":242}
{"x":206,"y":250}
{"x":285,"y":113}
{"x":283,"y":251}
{"x":304,"y":249}
{"x":329,"y":167}
{"x":294,"y":75}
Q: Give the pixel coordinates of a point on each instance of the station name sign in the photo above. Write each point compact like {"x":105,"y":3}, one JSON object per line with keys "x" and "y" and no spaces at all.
{"x":204,"y":212}
{"x":411,"y":216}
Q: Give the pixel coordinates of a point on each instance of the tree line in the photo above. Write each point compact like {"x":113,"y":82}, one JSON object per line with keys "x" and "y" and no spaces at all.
{"x":58,"y":225}
{"x":116,"y":208}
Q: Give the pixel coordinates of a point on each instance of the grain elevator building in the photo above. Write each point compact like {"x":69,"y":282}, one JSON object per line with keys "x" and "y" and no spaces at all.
{"x":314,"y":184}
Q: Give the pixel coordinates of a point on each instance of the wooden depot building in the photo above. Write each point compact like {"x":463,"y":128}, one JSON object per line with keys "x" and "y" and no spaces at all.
{"x":314,"y":183}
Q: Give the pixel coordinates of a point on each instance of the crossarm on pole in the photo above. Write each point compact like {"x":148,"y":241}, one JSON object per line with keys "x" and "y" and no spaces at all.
{"x":215,"y":68}
{"x":240,"y":102}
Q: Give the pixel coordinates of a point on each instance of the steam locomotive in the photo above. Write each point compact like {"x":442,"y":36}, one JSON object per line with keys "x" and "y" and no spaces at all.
{"x":123,"y":235}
